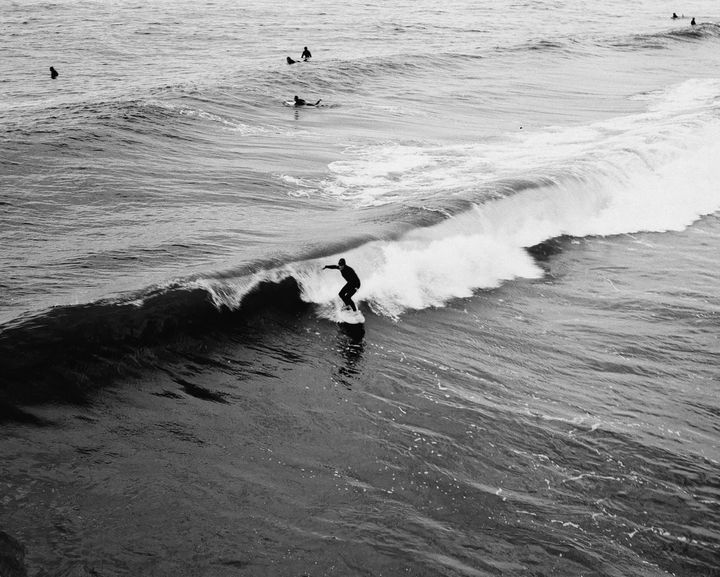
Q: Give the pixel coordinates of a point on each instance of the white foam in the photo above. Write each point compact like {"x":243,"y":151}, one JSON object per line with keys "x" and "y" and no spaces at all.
{"x":656,"y":171}
{"x":426,"y":268}
{"x":678,"y":120}
{"x":379,"y":175}
{"x":651,"y":172}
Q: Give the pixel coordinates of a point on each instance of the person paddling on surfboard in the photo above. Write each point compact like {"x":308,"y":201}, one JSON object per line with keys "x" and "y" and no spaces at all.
{"x":301,"y":102}
{"x":352,"y":284}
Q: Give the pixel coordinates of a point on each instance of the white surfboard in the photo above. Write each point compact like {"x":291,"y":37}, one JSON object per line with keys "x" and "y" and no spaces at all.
{"x":349,"y":317}
{"x":315,"y":104}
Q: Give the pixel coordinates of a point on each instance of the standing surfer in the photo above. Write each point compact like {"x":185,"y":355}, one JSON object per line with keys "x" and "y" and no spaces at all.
{"x":352,"y":284}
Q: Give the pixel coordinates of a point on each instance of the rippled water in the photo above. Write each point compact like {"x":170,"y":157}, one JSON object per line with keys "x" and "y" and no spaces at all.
{"x":528,"y":193}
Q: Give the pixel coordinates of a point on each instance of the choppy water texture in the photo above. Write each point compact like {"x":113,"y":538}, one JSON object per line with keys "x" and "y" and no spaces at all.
{"x":528,"y":191}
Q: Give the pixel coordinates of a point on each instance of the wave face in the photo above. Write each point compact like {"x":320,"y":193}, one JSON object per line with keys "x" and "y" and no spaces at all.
{"x":136,"y":198}
{"x":480,"y":207}
{"x":708,"y":31}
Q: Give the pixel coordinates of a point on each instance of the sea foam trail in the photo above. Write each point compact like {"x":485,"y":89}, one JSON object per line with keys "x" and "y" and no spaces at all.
{"x":680,"y":119}
{"x":652,"y":172}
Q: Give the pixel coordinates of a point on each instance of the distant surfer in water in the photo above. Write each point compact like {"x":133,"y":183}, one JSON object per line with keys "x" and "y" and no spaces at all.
{"x":301,"y":102}
{"x":675,"y":16}
{"x":352,"y":284}
{"x":692,"y":22}
{"x":290,"y":60}
{"x":53,"y":73}
{"x":306,"y":54}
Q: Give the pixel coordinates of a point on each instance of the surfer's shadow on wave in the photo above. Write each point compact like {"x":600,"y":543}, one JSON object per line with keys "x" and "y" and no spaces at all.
{"x":351,"y":347}
{"x":350,"y":340}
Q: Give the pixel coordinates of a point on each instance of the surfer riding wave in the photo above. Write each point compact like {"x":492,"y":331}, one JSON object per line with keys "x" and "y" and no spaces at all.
{"x":352,"y":284}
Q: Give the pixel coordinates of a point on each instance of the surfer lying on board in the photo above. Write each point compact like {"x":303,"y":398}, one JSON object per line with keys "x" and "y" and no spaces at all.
{"x":352,"y":285}
{"x":302,"y":102}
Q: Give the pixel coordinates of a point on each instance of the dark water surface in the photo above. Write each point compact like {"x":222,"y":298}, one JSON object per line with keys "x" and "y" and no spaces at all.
{"x":554,"y":426}
{"x":528,"y":192}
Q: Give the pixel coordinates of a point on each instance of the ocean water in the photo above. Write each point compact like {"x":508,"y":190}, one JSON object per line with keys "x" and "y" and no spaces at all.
{"x":529,"y":193}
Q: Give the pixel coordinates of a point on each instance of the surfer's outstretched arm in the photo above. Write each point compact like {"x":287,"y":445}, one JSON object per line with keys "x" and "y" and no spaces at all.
{"x":318,"y":102}
{"x":331,"y":266}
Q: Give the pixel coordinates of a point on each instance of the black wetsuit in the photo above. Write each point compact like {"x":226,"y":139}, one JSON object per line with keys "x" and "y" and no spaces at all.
{"x":351,"y":286}
{"x":302,"y":102}
{"x":306,"y":54}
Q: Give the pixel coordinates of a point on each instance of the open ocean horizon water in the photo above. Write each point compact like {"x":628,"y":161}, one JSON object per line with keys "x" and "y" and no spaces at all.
{"x":529,"y":193}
